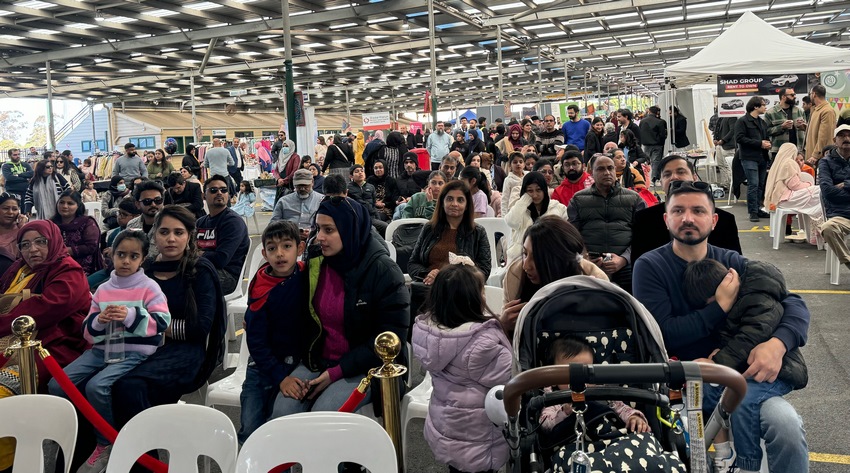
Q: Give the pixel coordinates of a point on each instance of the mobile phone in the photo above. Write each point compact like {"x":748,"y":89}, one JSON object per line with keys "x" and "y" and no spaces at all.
{"x":309,"y":392}
{"x":594,"y":254}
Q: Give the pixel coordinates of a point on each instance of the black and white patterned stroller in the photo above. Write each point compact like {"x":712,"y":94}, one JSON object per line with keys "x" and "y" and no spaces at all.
{"x":631,"y":361}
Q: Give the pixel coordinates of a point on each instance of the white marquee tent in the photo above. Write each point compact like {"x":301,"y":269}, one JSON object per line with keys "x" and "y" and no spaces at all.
{"x":752,"y":46}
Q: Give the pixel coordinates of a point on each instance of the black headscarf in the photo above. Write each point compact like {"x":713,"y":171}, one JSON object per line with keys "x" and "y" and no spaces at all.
{"x":354,"y":226}
{"x":536,"y":177}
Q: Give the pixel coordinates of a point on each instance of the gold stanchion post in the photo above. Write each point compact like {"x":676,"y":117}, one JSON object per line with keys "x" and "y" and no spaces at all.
{"x":388,"y":346}
{"x":24,"y":328}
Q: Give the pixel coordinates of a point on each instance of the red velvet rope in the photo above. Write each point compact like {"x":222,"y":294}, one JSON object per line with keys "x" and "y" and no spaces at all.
{"x":88,"y":411}
{"x":348,"y":406}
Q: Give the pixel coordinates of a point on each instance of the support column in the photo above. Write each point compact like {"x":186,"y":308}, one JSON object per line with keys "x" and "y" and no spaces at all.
{"x":194,"y":119}
{"x":539,"y":84}
{"x":347,"y":109}
{"x":566,"y":80}
{"x":93,"y":131}
{"x":598,"y":95}
{"x":499,"y":62}
{"x":290,"y":83}
{"x":432,"y":45}
{"x":51,"y":136}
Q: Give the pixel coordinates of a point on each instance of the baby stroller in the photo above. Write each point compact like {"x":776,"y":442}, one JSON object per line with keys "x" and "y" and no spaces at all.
{"x":630,"y":358}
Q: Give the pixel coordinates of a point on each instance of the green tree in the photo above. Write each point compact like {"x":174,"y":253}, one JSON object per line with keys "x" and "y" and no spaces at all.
{"x":12,"y":124}
{"x":38,"y":135}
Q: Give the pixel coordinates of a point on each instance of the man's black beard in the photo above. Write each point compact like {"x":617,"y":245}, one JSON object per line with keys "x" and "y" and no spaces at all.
{"x":690,"y":241}
{"x":573,"y":175}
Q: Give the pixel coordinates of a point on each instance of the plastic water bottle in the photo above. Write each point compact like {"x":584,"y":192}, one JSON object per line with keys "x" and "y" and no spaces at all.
{"x":113,"y":347}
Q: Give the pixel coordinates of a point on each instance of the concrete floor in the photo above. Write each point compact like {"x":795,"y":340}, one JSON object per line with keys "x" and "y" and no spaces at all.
{"x":824,"y":405}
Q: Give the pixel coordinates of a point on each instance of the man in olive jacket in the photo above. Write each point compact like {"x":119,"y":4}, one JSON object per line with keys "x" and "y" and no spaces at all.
{"x":604,"y":214}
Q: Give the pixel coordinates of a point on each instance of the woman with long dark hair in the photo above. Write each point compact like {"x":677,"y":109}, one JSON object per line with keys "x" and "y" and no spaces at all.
{"x":193,"y":344}
{"x":159,"y":167}
{"x":632,"y":150}
{"x":43,"y":191}
{"x":533,"y":203}
{"x":552,"y":249}
{"x":386,"y":190}
{"x":66,"y":169}
{"x":396,"y":147}
{"x":593,"y":142}
{"x":80,"y":232}
{"x":337,"y":159}
{"x":452,"y":229}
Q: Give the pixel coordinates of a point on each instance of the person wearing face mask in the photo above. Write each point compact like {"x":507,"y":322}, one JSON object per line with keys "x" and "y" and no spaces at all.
{"x":786,"y":122}
{"x":129,"y":166}
{"x":299,"y":206}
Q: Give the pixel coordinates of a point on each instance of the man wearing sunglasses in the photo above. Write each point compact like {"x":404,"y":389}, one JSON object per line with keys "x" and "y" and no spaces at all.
{"x":786,"y":122}
{"x":222,"y":234}
{"x":17,"y":174}
{"x":693,"y":333}
{"x":149,"y":199}
{"x":650,"y":231}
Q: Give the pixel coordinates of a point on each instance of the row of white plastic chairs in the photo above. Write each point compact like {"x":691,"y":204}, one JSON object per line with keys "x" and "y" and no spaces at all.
{"x":318,"y":441}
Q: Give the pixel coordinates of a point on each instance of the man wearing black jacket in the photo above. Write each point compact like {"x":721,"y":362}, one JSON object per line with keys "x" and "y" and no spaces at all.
{"x":653,"y":134}
{"x":753,"y":147}
{"x":724,"y":142}
{"x":627,"y":122}
{"x":649,"y":230}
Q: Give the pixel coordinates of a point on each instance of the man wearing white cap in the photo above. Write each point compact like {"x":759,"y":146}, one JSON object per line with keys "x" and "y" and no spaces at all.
{"x":299,"y":206}
{"x":834,"y":181}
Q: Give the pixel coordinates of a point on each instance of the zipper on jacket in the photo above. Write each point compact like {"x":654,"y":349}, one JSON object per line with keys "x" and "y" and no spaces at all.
{"x":315,"y":269}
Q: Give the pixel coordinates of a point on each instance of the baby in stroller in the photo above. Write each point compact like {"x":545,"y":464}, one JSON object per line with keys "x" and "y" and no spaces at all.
{"x":751,"y":321}
{"x":566,"y":350}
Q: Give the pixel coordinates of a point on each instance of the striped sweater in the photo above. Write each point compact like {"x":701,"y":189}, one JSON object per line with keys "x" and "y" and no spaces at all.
{"x":147,"y":312}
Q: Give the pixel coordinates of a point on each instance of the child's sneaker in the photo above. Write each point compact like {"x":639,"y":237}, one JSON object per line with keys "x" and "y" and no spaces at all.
{"x":97,"y":460}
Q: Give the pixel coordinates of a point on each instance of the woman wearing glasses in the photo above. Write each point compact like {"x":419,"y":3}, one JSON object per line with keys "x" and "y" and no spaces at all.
{"x":57,"y":303}
{"x":11,"y":220}
{"x":80,"y":232}
{"x":43,"y":191}
{"x":66,"y":169}
{"x":357,"y":293}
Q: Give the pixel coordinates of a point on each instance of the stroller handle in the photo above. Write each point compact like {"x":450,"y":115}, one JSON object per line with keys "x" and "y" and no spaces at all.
{"x":616,"y":374}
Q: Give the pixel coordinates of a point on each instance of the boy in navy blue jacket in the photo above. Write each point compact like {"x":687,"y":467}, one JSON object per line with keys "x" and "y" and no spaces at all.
{"x":277,"y":296}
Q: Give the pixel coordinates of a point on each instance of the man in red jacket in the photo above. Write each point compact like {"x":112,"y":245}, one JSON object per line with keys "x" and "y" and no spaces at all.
{"x":577,"y":179}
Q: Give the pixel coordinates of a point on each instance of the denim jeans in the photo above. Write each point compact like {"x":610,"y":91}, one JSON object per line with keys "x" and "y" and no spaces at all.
{"x":257,"y":398}
{"x":749,"y":422}
{"x":655,"y":153}
{"x":99,"y":387}
{"x":331,"y":399}
{"x":756,"y":172}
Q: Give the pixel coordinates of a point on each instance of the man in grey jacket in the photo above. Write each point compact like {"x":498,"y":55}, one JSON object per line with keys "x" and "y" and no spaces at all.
{"x":129,"y":166}
{"x":299,"y":206}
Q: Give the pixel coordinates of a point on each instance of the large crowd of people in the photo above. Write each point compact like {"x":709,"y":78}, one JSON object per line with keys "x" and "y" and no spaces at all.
{"x":168,"y":248}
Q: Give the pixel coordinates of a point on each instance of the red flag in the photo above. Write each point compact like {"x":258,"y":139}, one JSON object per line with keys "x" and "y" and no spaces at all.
{"x":427,"y":101}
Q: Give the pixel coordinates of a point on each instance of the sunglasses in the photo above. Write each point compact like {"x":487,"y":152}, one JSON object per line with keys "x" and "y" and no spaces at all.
{"x":148,"y":202}
{"x":217,"y":190}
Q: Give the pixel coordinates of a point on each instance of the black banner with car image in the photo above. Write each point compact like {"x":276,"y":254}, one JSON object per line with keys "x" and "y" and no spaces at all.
{"x":734,"y":91}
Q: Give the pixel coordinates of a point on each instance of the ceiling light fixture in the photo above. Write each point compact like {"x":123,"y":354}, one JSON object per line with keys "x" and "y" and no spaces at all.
{"x":98,"y":16}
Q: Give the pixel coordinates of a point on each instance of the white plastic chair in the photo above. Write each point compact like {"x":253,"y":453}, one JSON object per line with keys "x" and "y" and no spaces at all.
{"x":239,"y":304}
{"x":393,"y":226}
{"x":319,"y":441}
{"x":93,"y":209}
{"x":226,"y":391}
{"x":494,"y":226}
{"x":185,"y":430}
{"x":33,"y":418}
{"x":495,"y":298}
{"x":414,"y":405}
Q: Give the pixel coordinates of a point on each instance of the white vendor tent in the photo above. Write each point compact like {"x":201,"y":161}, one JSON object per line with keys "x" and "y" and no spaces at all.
{"x":752,"y":46}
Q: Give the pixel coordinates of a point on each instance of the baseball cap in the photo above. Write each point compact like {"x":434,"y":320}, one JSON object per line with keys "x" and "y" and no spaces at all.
{"x":840,"y":129}
{"x":302,"y":177}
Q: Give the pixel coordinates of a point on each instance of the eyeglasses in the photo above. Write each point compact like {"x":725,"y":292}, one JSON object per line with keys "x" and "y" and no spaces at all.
{"x":39,"y":242}
{"x":217,"y":190}
{"x":549,"y":171}
{"x":548,"y":120}
{"x":148,"y":202}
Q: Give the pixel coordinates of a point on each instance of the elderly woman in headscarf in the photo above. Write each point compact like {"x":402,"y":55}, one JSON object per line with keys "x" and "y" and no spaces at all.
{"x":60,"y":298}
{"x":359,"y":147}
{"x":287,"y":163}
{"x":788,"y":189}
{"x":337,"y":159}
{"x":357,"y":292}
